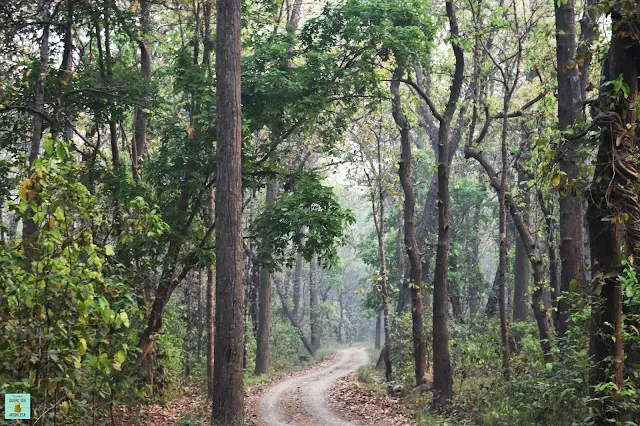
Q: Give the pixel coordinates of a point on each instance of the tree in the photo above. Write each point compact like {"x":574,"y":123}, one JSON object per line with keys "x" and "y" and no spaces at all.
{"x":228,"y":394}
{"x":411,"y":246}
{"x":613,"y":214}
{"x":570,"y":111}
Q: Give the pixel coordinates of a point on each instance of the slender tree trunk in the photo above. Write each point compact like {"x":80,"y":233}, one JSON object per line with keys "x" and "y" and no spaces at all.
{"x":297,"y":285}
{"x":554,"y":283}
{"x":314,"y":308}
{"x":413,"y":252}
{"x":294,"y":322}
{"x":378,"y":336}
{"x":532,"y":252}
{"x":569,"y":111}
{"x":264,"y":302}
{"x":521,"y":268}
{"x":139,"y":146}
{"x":378,"y":215}
{"x":211,"y":303}
{"x":29,"y":227}
{"x":228,"y":395}
{"x":502,"y":194}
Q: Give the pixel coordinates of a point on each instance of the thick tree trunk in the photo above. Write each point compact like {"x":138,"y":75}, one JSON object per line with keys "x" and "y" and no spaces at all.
{"x":614,"y":195}
{"x":264,"y":302}
{"x":314,"y":308}
{"x":413,"y":252}
{"x":228,"y":395}
{"x":569,"y":111}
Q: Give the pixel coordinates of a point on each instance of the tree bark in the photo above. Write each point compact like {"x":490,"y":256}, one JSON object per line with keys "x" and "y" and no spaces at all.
{"x":378,"y":336}
{"x":614,"y":215}
{"x":411,"y":246}
{"x":521,"y":267}
{"x":211,"y":303}
{"x":29,"y":227}
{"x":572,"y":276}
{"x":442,"y":375}
{"x":139,"y":146}
{"x":502,"y":197}
{"x":264,"y":302}
{"x":297,"y":285}
{"x":378,"y":216}
{"x":228,"y":395}
{"x":314,"y":308}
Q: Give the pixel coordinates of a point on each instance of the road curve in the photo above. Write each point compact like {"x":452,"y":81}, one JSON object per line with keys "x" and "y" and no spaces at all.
{"x":303,"y":400}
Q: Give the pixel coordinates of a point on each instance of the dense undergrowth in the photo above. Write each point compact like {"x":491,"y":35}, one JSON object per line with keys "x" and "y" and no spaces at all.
{"x":537,"y":392}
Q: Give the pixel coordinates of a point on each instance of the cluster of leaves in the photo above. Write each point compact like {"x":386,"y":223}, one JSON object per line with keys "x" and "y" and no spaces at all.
{"x":309,"y":220}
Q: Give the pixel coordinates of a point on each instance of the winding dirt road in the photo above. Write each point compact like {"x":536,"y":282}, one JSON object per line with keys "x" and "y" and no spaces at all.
{"x":303,"y":400}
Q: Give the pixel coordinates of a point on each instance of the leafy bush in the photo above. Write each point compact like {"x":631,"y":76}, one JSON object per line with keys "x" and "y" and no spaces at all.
{"x":65,"y":313}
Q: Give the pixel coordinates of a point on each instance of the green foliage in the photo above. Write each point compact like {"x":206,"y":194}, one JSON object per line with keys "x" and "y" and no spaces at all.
{"x":67,"y":316}
{"x":309,"y":220}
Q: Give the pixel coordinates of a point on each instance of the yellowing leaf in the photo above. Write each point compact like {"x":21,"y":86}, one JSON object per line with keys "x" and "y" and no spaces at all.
{"x":52,"y":222}
{"x":24,"y":188}
{"x":82,"y":348}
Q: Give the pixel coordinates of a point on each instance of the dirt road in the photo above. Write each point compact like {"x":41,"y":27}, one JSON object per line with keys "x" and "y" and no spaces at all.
{"x":302,"y":400}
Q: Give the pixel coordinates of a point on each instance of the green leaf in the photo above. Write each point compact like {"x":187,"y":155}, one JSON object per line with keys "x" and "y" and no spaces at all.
{"x":108,"y":250}
{"x":120,"y":356}
{"x":549,"y":367}
{"x":124,"y":318}
{"x":47,"y":144}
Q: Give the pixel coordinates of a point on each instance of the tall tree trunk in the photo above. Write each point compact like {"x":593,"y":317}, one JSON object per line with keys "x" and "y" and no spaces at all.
{"x":569,"y":111}
{"x":29,"y":227}
{"x":614,"y":195}
{"x":211,"y":304}
{"x":314,"y":308}
{"x":502,"y":196}
{"x":139,"y":146}
{"x":297,"y":285}
{"x":378,"y":216}
{"x":413,"y":251}
{"x":206,"y":42}
{"x":521,"y":267}
{"x":554,"y":282}
{"x":475,"y":280}
{"x":228,"y":395}
{"x":264,"y":302}
{"x":378,"y":336}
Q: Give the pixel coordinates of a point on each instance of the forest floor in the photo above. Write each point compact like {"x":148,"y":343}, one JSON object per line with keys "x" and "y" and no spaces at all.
{"x":324,"y":394}
{"x":328,"y":395}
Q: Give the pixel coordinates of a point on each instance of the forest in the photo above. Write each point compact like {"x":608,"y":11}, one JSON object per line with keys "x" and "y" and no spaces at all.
{"x":320,"y":212}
